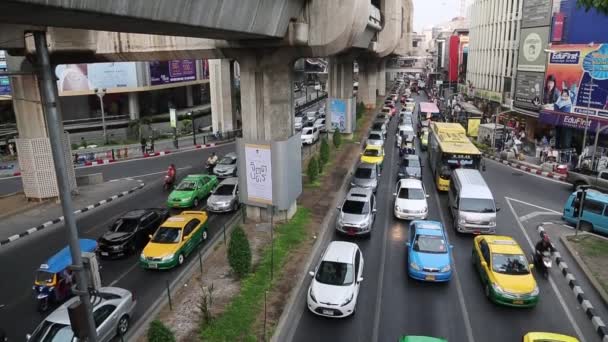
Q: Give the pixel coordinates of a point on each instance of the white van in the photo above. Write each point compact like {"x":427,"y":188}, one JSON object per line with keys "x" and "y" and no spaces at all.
{"x":471,"y":203}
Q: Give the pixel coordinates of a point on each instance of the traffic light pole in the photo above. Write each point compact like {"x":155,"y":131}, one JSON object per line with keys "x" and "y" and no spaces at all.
{"x":580,"y":210}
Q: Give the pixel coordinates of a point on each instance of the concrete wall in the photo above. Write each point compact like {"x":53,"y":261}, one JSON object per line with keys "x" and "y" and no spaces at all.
{"x":75,"y":107}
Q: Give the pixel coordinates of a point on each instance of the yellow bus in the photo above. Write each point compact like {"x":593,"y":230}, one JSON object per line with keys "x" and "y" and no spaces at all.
{"x":450,"y":148}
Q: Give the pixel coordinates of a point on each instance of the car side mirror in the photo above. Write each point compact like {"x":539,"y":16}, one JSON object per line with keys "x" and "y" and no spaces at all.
{"x":455,"y":207}
{"x":427,"y":195}
{"x":531,"y":266}
{"x":408,"y":244}
{"x":360,"y":279}
{"x":497,"y":209}
{"x":451,"y":246}
{"x":374,"y":210}
{"x":27,"y":337}
{"x":484,"y":264}
{"x":311,"y":273}
{"x":394,"y":194}
{"x":338,"y":208}
{"x":150,"y":236}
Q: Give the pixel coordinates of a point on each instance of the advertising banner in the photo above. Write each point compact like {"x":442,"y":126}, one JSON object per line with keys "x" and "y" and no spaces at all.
{"x":529,"y":90}
{"x":531,"y":49}
{"x":536,"y":13}
{"x":173,"y":71}
{"x":337,"y":113}
{"x":577,"y":79}
{"x":571,"y":120}
{"x":83,"y":77}
{"x":173,"y":117}
{"x":557,"y":31}
{"x":259,"y":173}
{"x":5,"y":86}
{"x":473,"y":127}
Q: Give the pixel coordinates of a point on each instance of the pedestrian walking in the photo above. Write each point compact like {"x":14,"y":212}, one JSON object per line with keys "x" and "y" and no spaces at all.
{"x":11,"y":149}
{"x":143,"y":145}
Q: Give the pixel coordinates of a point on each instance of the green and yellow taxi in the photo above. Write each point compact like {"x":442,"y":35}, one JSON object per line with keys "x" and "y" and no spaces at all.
{"x":504,"y":271}
{"x":191,"y":190}
{"x":174,"y":240}
{"x":373,"y":154}
{"x":421,"y":339}
{"x":548,"y":337}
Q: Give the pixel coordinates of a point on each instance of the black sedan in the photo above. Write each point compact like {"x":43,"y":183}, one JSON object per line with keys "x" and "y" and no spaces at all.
{"x":130,"y":232}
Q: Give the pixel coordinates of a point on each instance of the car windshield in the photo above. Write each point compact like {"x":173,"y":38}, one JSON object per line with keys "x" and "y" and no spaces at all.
{"x":186,"y":186}
{"x":354,"y":207}
{"x":167,"y":235}
{"x":224,"y":190}
{"x":477,"y":205}
{"x":298,"y":119}
{"x":377,"y":127}
{"x":227,"y":161}
{"x":410,"y":162}
{"x":509,"y":263}
{"x":430,"y":244}
{"x":335,"y":273}
{"x":124,"y":226}
{"x":363,"y":173}
{"x":52,"y":332}
{"x":411,"y":193}
{"x":371,"y":153}
{"x":43,"y":277}
{"x":307,"y":131}
{"x":374,"y":137}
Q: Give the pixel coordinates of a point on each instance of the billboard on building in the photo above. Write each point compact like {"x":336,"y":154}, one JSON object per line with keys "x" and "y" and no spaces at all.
{"x":577,"y":79}
{"x":536,"y":13}
{"x":83,"y":77}
{"x":5,"y":86}
{"x":337,"y":113}
{"x":529,"y":90}
{"x":173,"y":71}
{"x":531,"y":49}
{"x":453,"y":58}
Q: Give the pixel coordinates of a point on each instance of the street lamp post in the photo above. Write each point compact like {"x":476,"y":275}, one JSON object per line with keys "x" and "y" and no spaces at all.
{"x":193,"y":129}
{"x":588,"y":109}
{"x":101,"y":93}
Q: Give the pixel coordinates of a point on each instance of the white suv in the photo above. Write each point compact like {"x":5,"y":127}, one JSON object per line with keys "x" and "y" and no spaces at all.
{"x":336,"y":281}
{"x":410,"y":200}
{"x":310,"y":135}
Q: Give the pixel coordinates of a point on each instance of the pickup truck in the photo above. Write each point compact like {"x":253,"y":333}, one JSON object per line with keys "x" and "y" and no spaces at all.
{"x":598,"y":179}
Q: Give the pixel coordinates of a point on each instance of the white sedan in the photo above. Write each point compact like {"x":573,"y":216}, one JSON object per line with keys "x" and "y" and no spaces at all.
{"x":410,"y":200}
{"x":310,"y":135}
{"x":336,"y":281}
{"x":320,"y":125}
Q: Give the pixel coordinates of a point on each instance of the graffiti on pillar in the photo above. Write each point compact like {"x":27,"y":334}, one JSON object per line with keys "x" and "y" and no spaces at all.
{"x":337,"y":112}
{"x":259,"y":173}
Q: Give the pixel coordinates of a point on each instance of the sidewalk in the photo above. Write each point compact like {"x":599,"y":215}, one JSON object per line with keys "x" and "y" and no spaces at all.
{"x":527,"y":166}
{"x":36,"y":217}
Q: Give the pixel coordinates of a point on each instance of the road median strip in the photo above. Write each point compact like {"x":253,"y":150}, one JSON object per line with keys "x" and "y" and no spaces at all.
{"x":590,"y":312}
{"x":47,"y":224}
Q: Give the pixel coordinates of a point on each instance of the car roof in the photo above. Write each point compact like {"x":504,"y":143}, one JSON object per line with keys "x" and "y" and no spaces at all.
{"x":135,"y":214}
{"x":411,"y":156}
{"x":231,"y":155}
{"x":60,"y":315}
{"x":359,"y":194}
{"x":433,"y":228}
{"x":410,"y":183}
{"x":373,"y":147}
{"x":179,"y":221}
{"x":596,"y":195}
{"x":230,"y":181}
{"x":366,"y":166}
{"x":195,"y":177}
{"x":503,"y":244}
{"x":62,"y":259}
{"x":378,"y":133}
{"x":340,"y":251}
{"x":473,"y":184}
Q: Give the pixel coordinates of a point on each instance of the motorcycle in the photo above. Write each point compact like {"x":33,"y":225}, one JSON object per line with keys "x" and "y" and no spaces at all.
{"x":544,"y":263}
{"x":209,"y":167}
{"x":169,"y":183}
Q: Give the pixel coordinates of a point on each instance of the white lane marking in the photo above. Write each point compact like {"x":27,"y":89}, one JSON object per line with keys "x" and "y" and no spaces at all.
{"x":532,"y":205}
{"x":537,"y":213}
{"x":529,"y":173}
{"x":463,"y":305}
{"x":376,"y":329}
{"x":151,"y":174}
{"x":124,"y":274}
{"x":553,"y":286}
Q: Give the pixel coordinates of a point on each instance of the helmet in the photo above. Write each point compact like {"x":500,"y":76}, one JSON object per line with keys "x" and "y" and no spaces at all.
{"x":546,"y":238}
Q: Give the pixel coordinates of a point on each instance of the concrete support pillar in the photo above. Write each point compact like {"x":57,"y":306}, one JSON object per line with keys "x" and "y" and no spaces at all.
{"x":134,"y":106}
{"x":189,"y":99}
{"x":220,"y":85}
{"x":382,"y":78}
{"x":267,"y":110}
{"x":340,"y":86}
{"x":33,"y":145}
{"x":368,"y":80}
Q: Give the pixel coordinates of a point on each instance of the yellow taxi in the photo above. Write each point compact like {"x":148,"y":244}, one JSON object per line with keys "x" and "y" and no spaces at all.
{"x":551,"y":337}
{"x":373,"y":154}
{"x":174,"y":240}
{"x":504,"y":271}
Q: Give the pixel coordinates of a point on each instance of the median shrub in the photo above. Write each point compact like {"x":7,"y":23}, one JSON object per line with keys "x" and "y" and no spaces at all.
{"x":313,"y":169}
{"x":158,"y":332}
{"x":324,"y":154}
{"x":239,"y":253}
{"x":360,"y":109}
{"x":337,"y":138}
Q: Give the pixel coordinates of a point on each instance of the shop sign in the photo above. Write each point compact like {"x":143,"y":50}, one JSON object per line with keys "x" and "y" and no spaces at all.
{"x":529,"y":90}
{"x":531,"y":49}
{"x":577,"y":79}
{"x":570,"y":120}
{"x":86,"y":77}
{"x":173,"y":71}
{"x":536,"y":13}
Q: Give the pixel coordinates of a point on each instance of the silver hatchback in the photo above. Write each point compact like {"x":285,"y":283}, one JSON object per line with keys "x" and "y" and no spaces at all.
{"x":113,"y":310}
{"x":225,"y":197}
{"x":366,"y":176}
{"x":357,"y":212}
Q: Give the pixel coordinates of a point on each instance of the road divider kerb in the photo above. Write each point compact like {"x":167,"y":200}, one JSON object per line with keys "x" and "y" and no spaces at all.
{"x":282,"y":331}
{"x":579,"y":294}
{"x":141,"y":325}
{"x":526,"y":168}
{"x":47,"y":224}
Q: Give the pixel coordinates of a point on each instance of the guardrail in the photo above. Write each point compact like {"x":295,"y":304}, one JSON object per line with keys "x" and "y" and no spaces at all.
{"x":309,"y":104}
{"x":95,"y":119}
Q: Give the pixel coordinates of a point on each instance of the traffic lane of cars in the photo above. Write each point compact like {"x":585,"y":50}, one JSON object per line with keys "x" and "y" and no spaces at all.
{"x":359,"y":326}
{"x":17,"y":293}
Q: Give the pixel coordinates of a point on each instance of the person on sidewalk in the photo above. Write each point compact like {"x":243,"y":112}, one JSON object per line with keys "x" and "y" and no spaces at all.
{"x":143,"y":145}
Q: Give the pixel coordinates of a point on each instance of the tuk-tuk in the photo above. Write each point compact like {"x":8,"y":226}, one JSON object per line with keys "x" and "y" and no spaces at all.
{"x":53,"y":280}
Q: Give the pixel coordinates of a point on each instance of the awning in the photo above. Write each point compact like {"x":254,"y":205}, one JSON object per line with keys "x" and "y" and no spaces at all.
{"x":469,"y":108}
{"x":526,"y":112}
{"x":571,"y":120}
{"x":428,"y":107}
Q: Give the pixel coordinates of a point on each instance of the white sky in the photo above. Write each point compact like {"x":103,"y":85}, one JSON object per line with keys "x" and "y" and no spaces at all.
{"x":428,"y":13}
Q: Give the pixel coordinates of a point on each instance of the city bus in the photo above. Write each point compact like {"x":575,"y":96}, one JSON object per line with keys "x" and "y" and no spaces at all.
{"x":450,"y":148}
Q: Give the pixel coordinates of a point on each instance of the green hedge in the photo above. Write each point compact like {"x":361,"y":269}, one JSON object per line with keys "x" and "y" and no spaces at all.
{"x":239,"y":252}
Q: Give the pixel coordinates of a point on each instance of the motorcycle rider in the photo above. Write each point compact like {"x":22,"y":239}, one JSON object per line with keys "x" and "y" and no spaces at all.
{"x":171,"y":174}
{"x":544,"y":245}
{"x":211,"y":162}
